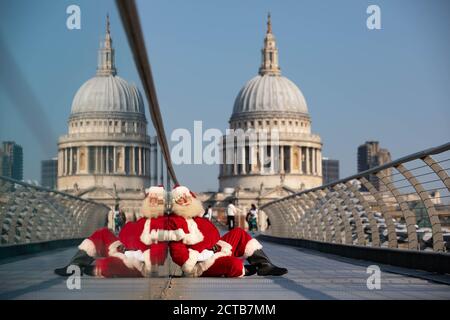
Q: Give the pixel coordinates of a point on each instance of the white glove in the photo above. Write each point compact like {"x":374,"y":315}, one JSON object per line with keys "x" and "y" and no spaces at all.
{"x":138,"y":255}
{"x":205,"y":255}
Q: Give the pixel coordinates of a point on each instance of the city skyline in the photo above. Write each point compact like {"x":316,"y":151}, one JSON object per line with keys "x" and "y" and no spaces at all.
{"x":372,"y":101}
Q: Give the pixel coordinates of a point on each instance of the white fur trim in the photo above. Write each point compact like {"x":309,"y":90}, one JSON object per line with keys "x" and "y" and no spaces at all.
{"x":225,"y":247}
{"x":149,"y":237}
{"x":89,"y":247}
{"x":130,"y":263}
{"x":112,"y":249}
{"x":147,"y":262}
{"x":171,"y":235}
{"x":243,"y":272}
{"x":97,"y":272}
{"x":251,"y":247}
{"x":189,"y":265}
{"x":146,"y":236}
{"x":194,"y":236}
{"x":201,"y":267}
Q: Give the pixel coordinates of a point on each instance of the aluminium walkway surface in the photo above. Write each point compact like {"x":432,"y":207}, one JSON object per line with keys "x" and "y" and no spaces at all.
{"x":312,"y":275}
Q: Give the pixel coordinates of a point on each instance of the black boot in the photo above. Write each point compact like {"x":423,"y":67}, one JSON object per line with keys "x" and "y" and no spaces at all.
{"x":89,"y":270}
{"x":263,"y":265}
{"x":249,"y":270}
{"x":81,"y":259}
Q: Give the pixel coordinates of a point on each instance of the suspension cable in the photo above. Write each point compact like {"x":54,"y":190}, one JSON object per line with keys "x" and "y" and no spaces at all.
{"x":131,"y":23}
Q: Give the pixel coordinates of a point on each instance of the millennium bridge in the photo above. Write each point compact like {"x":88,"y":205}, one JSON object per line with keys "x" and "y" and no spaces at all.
{"x":381,"y":234}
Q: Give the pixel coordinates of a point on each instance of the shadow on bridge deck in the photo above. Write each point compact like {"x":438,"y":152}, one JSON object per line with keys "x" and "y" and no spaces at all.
{"x":311,"y":275}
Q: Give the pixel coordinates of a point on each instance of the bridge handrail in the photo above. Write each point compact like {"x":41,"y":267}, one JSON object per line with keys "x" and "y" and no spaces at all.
{"x":414,"y":156}
{"x":32,"y":214}
{"x":42,"y":188}
{"x":369,"y":208}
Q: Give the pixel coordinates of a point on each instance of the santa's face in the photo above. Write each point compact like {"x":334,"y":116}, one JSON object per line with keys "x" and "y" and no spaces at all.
{"x":184,"y":199}
{"x":155,"y":199}
{"x":154,"y":203}
{"x":185,"y":203}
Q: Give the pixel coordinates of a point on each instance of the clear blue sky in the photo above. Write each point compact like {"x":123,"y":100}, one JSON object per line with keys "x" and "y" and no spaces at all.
{"x":391,"y":85}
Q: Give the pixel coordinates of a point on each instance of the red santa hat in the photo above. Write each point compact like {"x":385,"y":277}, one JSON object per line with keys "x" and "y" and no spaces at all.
{"x":154,"y":202}
{"x":185,"y":203}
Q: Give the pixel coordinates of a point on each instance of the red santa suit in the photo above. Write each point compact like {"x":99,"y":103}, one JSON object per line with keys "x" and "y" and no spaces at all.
{"x":139,"y":245}
{"x":202,"y":252}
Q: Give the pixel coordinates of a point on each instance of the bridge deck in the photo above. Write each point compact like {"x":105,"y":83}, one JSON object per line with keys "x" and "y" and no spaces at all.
{"x":311,"y":275}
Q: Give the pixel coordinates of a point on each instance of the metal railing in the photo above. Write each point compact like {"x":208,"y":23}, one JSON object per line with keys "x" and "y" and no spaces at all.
{"x":403,"y":204}
{"x":31,"y":214}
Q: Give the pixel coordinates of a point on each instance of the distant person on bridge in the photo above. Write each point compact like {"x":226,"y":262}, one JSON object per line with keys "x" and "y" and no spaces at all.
{"x":119,"y":220}
{"x":139,"y":245}
{"x":208,"y":213}
{"x":252,"y":218}
{"x":231,"y":213}
{"x":202,"y":252}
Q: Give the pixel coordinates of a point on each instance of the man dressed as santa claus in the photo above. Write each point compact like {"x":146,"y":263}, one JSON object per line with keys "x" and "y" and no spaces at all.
{"x":139,"y":245}
{"x":203,"y":252}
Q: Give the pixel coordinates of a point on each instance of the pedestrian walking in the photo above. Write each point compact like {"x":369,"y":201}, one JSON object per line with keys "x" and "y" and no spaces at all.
{"x":231,"y":213}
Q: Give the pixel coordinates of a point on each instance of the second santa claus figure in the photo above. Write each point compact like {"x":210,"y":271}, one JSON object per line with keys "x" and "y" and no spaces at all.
{"x":203,"y":252}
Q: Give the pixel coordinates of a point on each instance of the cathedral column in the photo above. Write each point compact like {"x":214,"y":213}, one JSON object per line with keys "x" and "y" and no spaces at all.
{"x":281,"y":159}
{"x":70,"y":160}
{"x":67,"y":161}
{"x":300,"y":155}
{"x":243,"y":163}
{"x":308,"y":167}
{"x":261,"y":159}
{"x":96,"y":159}
{"x":108,"y":169}
{"x":314,"y":161}
{"x":291,"y":158}
{"x":144,"y":157}
{"x":123,"y":159}
{"x":102,"y":160}
{"x":88,"y":151}
{"x":114,"y":159}
{"x":77,"y":169}
{"x":132,"y":160}
{"x":63,"y":163}
{"x":99,"y":155}
{"x":235,"y":160}
{"x":272,"y":160}
{"x":140,"y":160}
{"x":253,"y":159}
